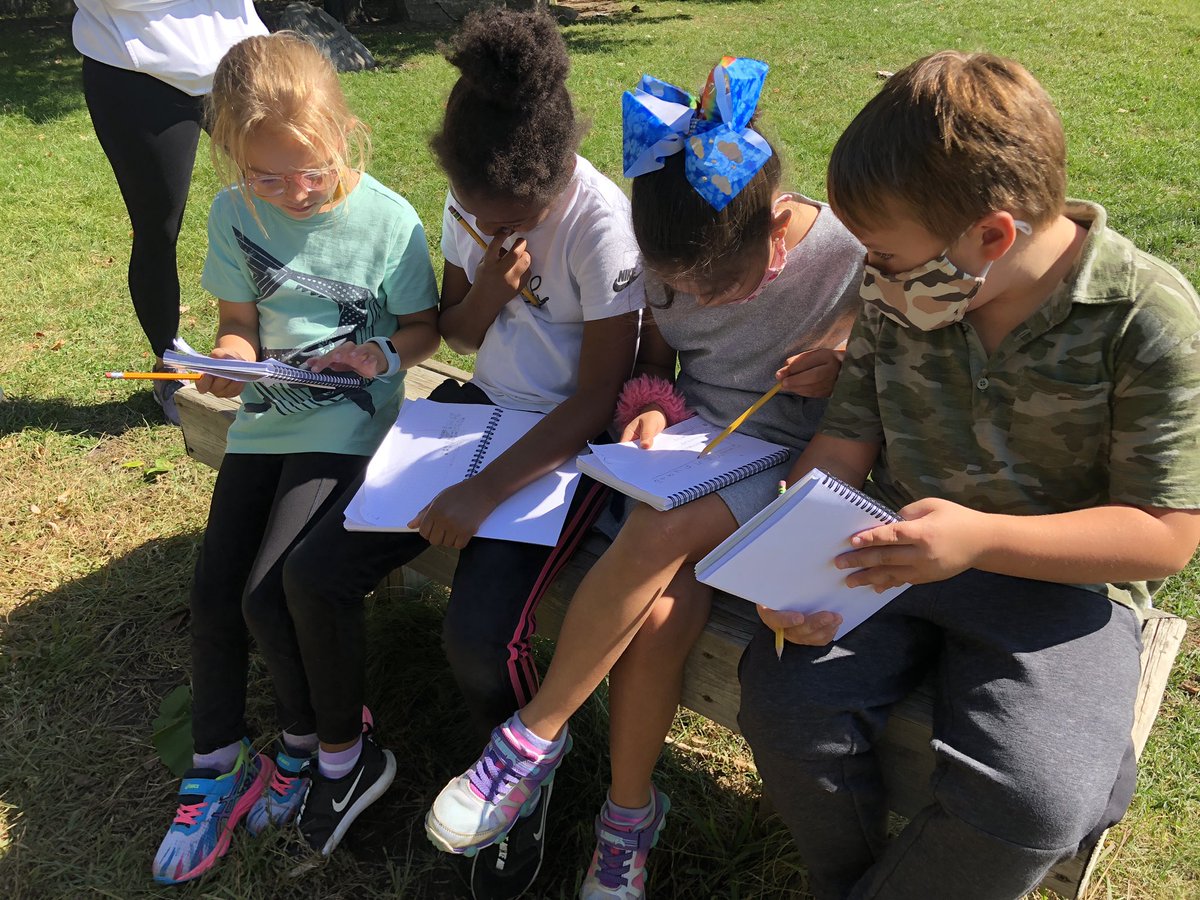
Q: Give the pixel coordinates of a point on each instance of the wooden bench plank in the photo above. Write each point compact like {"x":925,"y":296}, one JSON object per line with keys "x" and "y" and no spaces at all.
{"x":710,"y":685}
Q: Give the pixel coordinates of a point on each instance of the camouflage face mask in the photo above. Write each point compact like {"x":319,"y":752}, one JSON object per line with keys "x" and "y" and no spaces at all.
{"x":931,"y":296}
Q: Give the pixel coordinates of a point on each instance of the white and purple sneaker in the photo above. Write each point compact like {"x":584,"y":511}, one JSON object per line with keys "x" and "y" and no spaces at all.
{"x":618,"y":868}
{"x":479,"y":807}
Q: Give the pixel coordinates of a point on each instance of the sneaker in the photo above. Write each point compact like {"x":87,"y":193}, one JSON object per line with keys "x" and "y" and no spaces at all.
{"x":164,"y":396}
{"x":280,"y":803}
{"x":210,"y":807}
{"x":332,"y":804}
{"x":478,"y":808}
{"x":506,"y":869}
{"x":618,"y":868}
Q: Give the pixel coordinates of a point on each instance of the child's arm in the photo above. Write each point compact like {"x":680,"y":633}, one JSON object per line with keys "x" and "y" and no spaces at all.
{"x":939,"y":539}
{"x":469,"y":309}
{"x":415,"y":340}
{"x":605,"y":360}
{"x":237,"y":338}
{"x":812,"y":373}
{"x":655,"y":360}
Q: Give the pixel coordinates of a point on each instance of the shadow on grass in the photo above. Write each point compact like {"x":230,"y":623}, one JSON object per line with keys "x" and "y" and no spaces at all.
{"x":84,"y":667}
{"x":39,"y":69}
{"x":66,"y":416}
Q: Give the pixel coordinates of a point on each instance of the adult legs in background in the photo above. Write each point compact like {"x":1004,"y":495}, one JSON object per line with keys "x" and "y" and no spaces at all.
{"x":149,"y":131}
{"x":1036,"y":684}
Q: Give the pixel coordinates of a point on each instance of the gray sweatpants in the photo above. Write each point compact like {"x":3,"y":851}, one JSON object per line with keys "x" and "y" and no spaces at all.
{"x":1031,"y":731}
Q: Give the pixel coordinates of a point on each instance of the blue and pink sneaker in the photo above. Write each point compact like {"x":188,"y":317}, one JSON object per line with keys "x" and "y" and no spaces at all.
{"x":618,"y":869}
{"x":280,"y":803}
{"x":210,"y":807}
{"x":479,"y":807}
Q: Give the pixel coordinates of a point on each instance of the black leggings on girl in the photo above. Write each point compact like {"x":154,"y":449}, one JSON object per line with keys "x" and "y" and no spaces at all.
{"x":489,"y":621}
{"x":149,"y":131}
{"x":262,"y":505}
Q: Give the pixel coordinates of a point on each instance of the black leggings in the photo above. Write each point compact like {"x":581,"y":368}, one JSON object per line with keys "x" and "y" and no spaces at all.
{"x":262,"y":505}
{"x":149,"y":131}
{"x":489,"y":622}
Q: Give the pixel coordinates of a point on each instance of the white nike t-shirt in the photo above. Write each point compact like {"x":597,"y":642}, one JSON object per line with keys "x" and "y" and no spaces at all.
{"x":584,"y":267}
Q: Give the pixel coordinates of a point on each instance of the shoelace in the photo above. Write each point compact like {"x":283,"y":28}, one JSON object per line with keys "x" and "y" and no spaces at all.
{"x":281,"y":784}
{"x":614,"y":863}
{"x":496,"y":772}
{"x":188,"y":813}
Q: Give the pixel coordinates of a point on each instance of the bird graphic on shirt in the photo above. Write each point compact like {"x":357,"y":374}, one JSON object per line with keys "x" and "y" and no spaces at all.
{"x":354,"y":304}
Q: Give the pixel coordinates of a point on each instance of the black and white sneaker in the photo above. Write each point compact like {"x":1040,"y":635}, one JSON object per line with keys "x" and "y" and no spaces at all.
{"x":332,"y":804}
{"x":506,"y":870}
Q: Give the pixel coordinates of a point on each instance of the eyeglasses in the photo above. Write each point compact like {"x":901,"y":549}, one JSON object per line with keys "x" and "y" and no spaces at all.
{"x":314,"y":181}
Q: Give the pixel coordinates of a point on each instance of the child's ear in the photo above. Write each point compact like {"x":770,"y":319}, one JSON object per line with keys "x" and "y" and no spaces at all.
{"x":780,"y":219}
{"x":997,"y":233}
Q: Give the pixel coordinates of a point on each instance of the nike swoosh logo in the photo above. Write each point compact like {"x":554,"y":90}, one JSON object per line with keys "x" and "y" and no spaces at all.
{"x":625,"y":279}
{"x":541,"y":829}
{"x":339,"y":806}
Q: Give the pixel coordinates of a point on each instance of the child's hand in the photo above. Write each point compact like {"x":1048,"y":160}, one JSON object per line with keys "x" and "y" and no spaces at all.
{"x":811,"y":373}
{"x":937,"y":540}
{"x":453,"y":516}
{"x":502,"y":273}
{"x":816,"y":629}
{"x":366,"y":359}
{"x":646,"y":427}
{"x":221,"y":387}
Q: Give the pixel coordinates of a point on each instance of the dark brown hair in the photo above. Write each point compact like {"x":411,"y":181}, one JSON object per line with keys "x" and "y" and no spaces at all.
{"x":951,"y":138}
{"x":509,"y":127}
{"x":680,"y":234}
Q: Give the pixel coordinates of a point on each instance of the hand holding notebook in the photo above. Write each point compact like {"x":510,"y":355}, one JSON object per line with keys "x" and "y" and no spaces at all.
{"x":435,"y":445}
{"x":268,"y":371}
{"x":783,"y":557}
{"x":671,"y":472}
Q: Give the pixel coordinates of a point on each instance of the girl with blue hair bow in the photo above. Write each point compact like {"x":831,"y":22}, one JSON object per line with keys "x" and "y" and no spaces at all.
{"x":715,"y":232}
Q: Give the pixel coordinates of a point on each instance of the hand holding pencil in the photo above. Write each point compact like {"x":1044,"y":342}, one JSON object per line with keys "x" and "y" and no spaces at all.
{"x":810,"y":373}
{"x":507,"y":267}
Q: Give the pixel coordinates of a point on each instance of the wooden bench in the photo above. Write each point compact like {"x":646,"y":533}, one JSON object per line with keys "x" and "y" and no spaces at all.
{"x":710,"y":684}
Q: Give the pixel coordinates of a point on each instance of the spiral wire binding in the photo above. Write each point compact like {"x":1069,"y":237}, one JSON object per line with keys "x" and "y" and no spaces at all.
{"x":859,"y":499}
{"x":715,"y":484}
{"x":489,"y":432}
{"x":297,"y":375}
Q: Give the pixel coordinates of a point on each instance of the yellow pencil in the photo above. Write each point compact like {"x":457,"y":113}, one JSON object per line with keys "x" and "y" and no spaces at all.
{"x":529,"y":295}
{"x":779,"y":631}
{"x":733,"y":426}
{"x":157,"y":376}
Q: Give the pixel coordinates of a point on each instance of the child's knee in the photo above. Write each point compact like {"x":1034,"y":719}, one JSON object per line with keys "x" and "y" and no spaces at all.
{"x":1027,"y":804}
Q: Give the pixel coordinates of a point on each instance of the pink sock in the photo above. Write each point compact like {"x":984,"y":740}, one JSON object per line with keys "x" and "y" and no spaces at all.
{"x":334,"y":765}
{"x":531,"y":744}
{"x":625,"y":818}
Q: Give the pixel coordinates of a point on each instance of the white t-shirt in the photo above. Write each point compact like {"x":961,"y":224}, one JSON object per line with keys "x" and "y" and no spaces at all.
{"x":584,"y":263}
{"x":179,"y":42}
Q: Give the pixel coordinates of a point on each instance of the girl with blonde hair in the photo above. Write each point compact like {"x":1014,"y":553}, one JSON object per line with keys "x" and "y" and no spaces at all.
{"x":315,"y":263}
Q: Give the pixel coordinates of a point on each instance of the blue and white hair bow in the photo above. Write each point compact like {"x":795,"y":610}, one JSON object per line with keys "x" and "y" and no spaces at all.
{"x":721,"y":153}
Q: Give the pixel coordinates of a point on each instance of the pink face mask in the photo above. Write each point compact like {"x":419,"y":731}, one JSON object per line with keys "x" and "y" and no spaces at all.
{"x":778,"y":261}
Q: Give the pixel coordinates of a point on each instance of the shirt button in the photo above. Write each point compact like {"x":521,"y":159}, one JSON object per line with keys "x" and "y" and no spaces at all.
{"x":982,"y":384}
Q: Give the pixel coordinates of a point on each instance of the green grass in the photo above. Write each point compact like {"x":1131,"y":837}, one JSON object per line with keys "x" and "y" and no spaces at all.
{"x":97,"y":555}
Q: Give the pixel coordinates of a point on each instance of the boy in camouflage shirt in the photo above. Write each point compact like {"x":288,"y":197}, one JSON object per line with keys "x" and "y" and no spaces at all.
{"x":1038,"y":433}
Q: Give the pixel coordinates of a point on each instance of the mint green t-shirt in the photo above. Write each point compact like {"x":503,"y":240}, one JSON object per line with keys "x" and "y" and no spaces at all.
{"x":341,"y":275}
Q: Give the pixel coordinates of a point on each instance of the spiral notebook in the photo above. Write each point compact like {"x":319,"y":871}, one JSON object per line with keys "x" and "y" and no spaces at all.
{"x":672,"y":472}
{"x":783,"y":557}
{"x":435,"y":445}
{"x":269,"y":371}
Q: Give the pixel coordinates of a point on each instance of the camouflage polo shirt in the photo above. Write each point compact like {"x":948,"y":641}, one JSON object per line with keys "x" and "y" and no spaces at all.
{"x":1095,"y":399}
